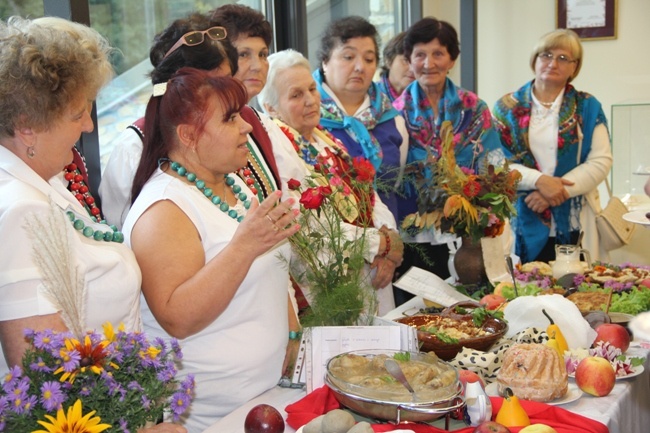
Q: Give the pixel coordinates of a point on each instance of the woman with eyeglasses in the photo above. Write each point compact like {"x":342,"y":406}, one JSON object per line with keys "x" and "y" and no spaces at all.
{"x":431,"y":47}
{"x":211,"y":256}
{"x":561,"y":145}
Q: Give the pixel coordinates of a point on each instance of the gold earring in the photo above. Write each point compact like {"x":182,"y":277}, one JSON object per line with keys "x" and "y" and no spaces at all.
{"x":31,"y":152}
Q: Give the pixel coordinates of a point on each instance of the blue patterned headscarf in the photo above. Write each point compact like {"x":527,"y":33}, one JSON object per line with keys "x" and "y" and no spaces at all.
{"x":512,"y":113}
{"x":380,"y":111}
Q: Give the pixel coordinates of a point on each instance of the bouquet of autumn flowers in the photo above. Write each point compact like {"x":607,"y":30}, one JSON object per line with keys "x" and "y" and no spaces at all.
{"x":329,"y":251}
{"x":118,"y":381}
{"x":458,"y":200}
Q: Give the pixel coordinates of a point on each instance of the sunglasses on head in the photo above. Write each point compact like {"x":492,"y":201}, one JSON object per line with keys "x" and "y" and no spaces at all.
{"x":197,"y":37}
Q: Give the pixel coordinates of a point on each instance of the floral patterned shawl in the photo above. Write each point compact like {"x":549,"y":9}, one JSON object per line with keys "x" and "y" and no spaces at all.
{"x":579,"y":112}
{"x":380,"y":111}
{"x":386,"y":88}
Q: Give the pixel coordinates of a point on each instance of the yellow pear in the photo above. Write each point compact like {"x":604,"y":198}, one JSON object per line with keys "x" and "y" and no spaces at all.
{"x":538,"y":428}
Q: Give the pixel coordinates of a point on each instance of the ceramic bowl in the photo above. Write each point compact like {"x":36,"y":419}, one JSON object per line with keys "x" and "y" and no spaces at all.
{"x":495,"y":328}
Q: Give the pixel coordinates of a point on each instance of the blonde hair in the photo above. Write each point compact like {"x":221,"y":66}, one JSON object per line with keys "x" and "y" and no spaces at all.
{"x":560,"y":38}
{"x":45,"y":65}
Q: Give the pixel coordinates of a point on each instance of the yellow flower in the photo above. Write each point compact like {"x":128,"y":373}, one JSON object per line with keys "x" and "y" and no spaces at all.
{"x":151,"y":353}
{"x":109,"y":331}
{"x":73,"y":422}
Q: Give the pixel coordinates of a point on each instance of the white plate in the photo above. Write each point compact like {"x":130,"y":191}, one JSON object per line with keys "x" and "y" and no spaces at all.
{"x":637,"y":370}
{"x":300,"y":429}
{"x":572,"y":394}
{"x":638,"y":217}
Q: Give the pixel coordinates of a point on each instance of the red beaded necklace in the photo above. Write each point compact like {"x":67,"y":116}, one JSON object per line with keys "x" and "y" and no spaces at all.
{"x":245,"y":173}
{"x":81,"y":190}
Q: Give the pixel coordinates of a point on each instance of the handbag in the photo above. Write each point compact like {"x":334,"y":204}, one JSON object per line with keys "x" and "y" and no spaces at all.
{"x":613,"y":231}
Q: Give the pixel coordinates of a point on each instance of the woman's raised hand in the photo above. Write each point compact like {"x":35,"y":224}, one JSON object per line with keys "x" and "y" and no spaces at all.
{"x":267,"y":224}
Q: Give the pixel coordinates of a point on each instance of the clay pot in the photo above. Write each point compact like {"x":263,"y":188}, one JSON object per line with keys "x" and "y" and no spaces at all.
{"x":469,"y":264}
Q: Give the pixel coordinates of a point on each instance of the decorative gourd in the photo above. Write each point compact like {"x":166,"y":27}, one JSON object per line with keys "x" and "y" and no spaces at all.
{"x":553,"y":329}
{"x":511,"y":413}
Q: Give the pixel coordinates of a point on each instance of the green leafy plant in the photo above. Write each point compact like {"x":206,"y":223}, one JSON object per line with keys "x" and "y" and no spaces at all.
{"x":329,"y":251}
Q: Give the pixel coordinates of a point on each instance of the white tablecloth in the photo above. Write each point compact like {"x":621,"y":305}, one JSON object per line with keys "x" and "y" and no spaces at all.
{"x":625,"y":410}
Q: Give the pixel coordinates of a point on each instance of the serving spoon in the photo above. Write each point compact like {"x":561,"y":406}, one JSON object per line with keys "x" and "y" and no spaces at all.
{"x":511,"y":269}
{"x":396,"y":371}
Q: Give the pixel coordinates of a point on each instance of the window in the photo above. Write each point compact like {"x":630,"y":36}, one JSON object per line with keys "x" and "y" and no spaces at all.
{"x":130,"y":27}
{"x":385,"y":15}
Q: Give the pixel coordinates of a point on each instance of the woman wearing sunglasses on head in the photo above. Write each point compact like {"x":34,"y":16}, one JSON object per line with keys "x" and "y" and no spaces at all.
{"x":207,"y":50}
{"x":561,"y":144}
{"x":211,"y":257}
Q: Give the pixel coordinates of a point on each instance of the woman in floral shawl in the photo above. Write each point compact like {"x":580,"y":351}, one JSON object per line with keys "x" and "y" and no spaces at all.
{"x":431,"y":47}
{"x":561,"y":145}
{"x":353,"y":108}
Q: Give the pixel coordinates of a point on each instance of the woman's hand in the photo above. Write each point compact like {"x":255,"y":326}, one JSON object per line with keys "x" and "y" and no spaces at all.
{"x":385,"y":271}
{"x":536,"y":202}
{"x":267,"y":224}
{"x":552,"y":189}
{"x":396,"y":253}
{"x":164,"y":428}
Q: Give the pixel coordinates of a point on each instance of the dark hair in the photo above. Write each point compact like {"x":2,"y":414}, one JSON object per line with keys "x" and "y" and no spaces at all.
{"x":240,"y":20}
{"x":342,"y":30}
{"x":186,"y":101}
{"x":393,"y":48}
{"x":208,"y":55}
{"x":428,"y":29}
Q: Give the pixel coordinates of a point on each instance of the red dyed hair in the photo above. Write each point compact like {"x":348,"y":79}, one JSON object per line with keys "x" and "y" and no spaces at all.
{"x":186,"y":101}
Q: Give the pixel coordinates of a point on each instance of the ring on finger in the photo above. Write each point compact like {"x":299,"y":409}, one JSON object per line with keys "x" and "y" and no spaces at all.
{"x":271,"y":220}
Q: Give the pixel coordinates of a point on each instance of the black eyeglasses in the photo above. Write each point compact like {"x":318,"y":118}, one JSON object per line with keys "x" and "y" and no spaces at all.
{"x":197,"y":37}
{"x":547,"y":57}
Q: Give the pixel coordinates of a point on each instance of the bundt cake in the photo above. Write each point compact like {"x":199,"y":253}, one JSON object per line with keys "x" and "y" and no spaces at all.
{"x":533,"y":372}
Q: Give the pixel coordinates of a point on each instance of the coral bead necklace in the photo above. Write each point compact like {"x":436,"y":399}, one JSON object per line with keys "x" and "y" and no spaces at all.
{"x":237,"y":212}
{"x":82,"y":193}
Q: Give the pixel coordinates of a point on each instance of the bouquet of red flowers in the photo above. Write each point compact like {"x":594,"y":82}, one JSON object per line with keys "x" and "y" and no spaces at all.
{"x":329,"y":251}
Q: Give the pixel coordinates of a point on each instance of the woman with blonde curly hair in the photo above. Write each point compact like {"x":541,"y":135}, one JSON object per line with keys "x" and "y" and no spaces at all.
{"x":50,"y":73}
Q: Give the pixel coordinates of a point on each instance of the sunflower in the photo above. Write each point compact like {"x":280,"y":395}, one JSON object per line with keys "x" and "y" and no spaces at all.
{"x":89,"y":355}
{"x":73,"y":422}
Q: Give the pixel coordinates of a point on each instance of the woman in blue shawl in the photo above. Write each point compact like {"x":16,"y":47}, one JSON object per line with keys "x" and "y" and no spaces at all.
{"x":354,"y":109}
{"x":431,"y":47}
{"x":561,"y":145}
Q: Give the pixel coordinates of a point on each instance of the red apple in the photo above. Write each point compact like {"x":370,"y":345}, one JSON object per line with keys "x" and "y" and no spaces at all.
{"x":492,"y":301}
{"x":491,"y":427}
{"x":595,"y":376}
{"x":614,"y":334}
{"x":264,"y":419}
{"x":467,"y":376}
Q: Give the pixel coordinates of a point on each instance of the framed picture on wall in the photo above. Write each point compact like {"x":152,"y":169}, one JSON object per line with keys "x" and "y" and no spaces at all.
{"x":590,"y":19}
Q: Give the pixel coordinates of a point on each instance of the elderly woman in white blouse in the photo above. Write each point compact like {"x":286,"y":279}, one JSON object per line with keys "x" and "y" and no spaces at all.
{"x":292,"y":99}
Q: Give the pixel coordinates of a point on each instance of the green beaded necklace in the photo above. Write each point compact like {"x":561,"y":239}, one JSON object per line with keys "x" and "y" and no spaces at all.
{"x":215,"y":199}
{"x":98,"y":235}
